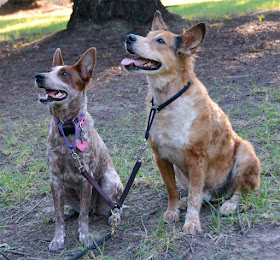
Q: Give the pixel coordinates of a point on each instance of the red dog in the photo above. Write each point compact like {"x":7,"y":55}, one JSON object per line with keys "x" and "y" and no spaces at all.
{"x":192,"y":137}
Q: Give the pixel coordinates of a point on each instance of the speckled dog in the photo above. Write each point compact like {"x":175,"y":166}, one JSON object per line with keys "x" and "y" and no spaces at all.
{"x":192,"y":137}
{"x":65,"y":95}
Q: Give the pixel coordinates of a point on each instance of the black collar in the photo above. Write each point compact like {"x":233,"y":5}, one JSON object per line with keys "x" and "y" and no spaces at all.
{"x":155,"y":109}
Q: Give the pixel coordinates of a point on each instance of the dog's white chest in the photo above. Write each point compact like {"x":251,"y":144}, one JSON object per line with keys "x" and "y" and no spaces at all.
{"x":171,"y":128}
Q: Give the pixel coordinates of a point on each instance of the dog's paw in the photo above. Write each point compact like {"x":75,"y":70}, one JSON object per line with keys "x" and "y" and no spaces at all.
{"x":170,"y":216}
{"x":115,"y":217}
{"x":228,"y":208}
{"x":85,"y":238}
{"x":56,"y":244}
{"x":192,"y":226}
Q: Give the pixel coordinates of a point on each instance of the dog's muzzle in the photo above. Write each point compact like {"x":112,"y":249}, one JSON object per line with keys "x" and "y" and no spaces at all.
{"x":39,"y":78}
{"x":130,"y":39}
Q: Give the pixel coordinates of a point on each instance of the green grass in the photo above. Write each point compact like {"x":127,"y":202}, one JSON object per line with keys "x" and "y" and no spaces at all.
{"x":18,"y":29}
{"x":23,"y":174}
{"x":222,"y":8}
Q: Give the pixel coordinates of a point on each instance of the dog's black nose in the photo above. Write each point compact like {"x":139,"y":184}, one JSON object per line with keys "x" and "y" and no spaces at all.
{"x":130,"y":38}
{"x":39,"y":77}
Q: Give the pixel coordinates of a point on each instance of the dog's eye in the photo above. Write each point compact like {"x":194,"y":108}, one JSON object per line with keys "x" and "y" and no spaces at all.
{"x":64,"y":74}
{"x":160,"y":41}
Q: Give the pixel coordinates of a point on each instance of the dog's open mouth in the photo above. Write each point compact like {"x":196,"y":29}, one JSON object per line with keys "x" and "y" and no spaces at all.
{"x":140,"y":64}
{"x":52,"y":95}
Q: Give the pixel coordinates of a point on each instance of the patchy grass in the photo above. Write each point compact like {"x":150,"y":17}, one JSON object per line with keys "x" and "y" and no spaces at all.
{"x":26,"y":176}
{"x":26,"y":27}
{"x":222,"y":8}
{"x":23,"y":173}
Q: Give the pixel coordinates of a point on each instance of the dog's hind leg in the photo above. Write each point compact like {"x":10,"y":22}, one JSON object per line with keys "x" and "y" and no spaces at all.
{"x":246,"y":172}
{"x":111,"y":184}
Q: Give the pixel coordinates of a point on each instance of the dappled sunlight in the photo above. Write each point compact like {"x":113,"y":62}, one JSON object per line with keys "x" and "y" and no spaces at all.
{"x":31,"y":24}
{"x":34,"y":25}
{"x":222,"y":8}
{"x":181,"y":2}
{"x":255,"y":28}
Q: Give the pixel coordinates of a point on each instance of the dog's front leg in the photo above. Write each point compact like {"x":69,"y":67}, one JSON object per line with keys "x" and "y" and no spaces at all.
{"x":168,"y":175}
{"x":196,"y":182}
{"x":58,"y":199}
{"x":85,"y":194}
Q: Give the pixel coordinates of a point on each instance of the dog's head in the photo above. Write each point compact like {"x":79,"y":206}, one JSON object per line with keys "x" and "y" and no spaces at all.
{"x":63,"y":83}
{"x":161,"y":51}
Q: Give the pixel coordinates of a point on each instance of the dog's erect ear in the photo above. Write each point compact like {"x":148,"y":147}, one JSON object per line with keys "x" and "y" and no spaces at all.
{"x":57,"y":58}
{"x":86,"y":64}
{"x":158,"y":23}
{"x":189,"y":41}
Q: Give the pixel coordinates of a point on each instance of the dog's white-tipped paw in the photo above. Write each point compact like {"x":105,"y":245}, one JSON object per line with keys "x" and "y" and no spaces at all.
{"x":85,"y":238}
{"x":192,"y":226}
{"x":170,"y":216}
{"x":228,"y":208}
{"x":56,"y":244}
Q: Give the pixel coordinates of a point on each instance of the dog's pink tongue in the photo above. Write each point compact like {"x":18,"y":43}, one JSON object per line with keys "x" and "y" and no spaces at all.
{"x":137,"y":62}
{"x":52,"y":93}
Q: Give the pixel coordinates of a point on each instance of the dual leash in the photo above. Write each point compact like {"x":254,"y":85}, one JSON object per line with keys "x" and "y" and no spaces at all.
{"x":78,"y":124}
{"x":135,"y":170}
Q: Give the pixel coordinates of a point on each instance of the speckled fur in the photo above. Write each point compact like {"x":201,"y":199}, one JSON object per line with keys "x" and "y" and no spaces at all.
{"x":192,"y":137}
{"x":68,"y":186}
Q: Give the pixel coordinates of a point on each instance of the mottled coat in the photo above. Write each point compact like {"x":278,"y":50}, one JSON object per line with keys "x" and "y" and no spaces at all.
{"x":65,"y":88}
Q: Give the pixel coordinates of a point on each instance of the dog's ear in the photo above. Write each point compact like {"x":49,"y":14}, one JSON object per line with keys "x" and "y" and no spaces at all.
{"x":158,"y":23}
{"x":57,"y":58}
{"x":189,"y":41}
{"x":86,"y":64}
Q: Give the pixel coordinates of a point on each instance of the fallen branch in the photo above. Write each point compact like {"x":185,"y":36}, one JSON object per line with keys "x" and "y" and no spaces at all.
{"x":29,"y":211}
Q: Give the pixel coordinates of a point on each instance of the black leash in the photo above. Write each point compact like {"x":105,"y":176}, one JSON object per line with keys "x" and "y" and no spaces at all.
{"x":155,"y":109}
{"x":92,"y":247}
{"x":135,"y":170}
{"x":5,"y":256}
{"x":108,"y":200}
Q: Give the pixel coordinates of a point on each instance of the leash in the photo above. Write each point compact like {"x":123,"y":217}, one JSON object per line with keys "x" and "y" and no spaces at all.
{"x":135,"y":170}
{"x":4,"y":256}
{"x":92,"y":247}
{"x":155,"y":109}
{"x":78,"y":126}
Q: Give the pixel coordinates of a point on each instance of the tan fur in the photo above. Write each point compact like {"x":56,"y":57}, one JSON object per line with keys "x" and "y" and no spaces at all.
{"x":68,"y":186}
{"x":192,"y":137}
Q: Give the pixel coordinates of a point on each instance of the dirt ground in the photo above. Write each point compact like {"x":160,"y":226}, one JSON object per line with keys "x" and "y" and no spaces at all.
{"x":241,"y":51}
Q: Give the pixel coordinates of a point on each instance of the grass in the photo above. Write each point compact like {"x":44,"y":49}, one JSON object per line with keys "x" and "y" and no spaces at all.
{"x":222,"y":8}
{"x":20,"y":28}
{"x":24,"y":170}
{"x":23,"y":174}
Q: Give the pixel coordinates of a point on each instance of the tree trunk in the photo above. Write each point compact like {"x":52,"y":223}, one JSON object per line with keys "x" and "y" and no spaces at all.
{"x":12,"y":6}
{"x":137,"y":12}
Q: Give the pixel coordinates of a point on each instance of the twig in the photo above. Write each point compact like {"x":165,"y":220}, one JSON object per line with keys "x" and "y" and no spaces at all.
{"x":29,"y":210}
{"x":240,"y":223}
{"x":146,"y":233}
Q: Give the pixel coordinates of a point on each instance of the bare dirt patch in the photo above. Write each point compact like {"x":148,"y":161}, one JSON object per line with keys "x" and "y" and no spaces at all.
{"x":241,"y":51}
